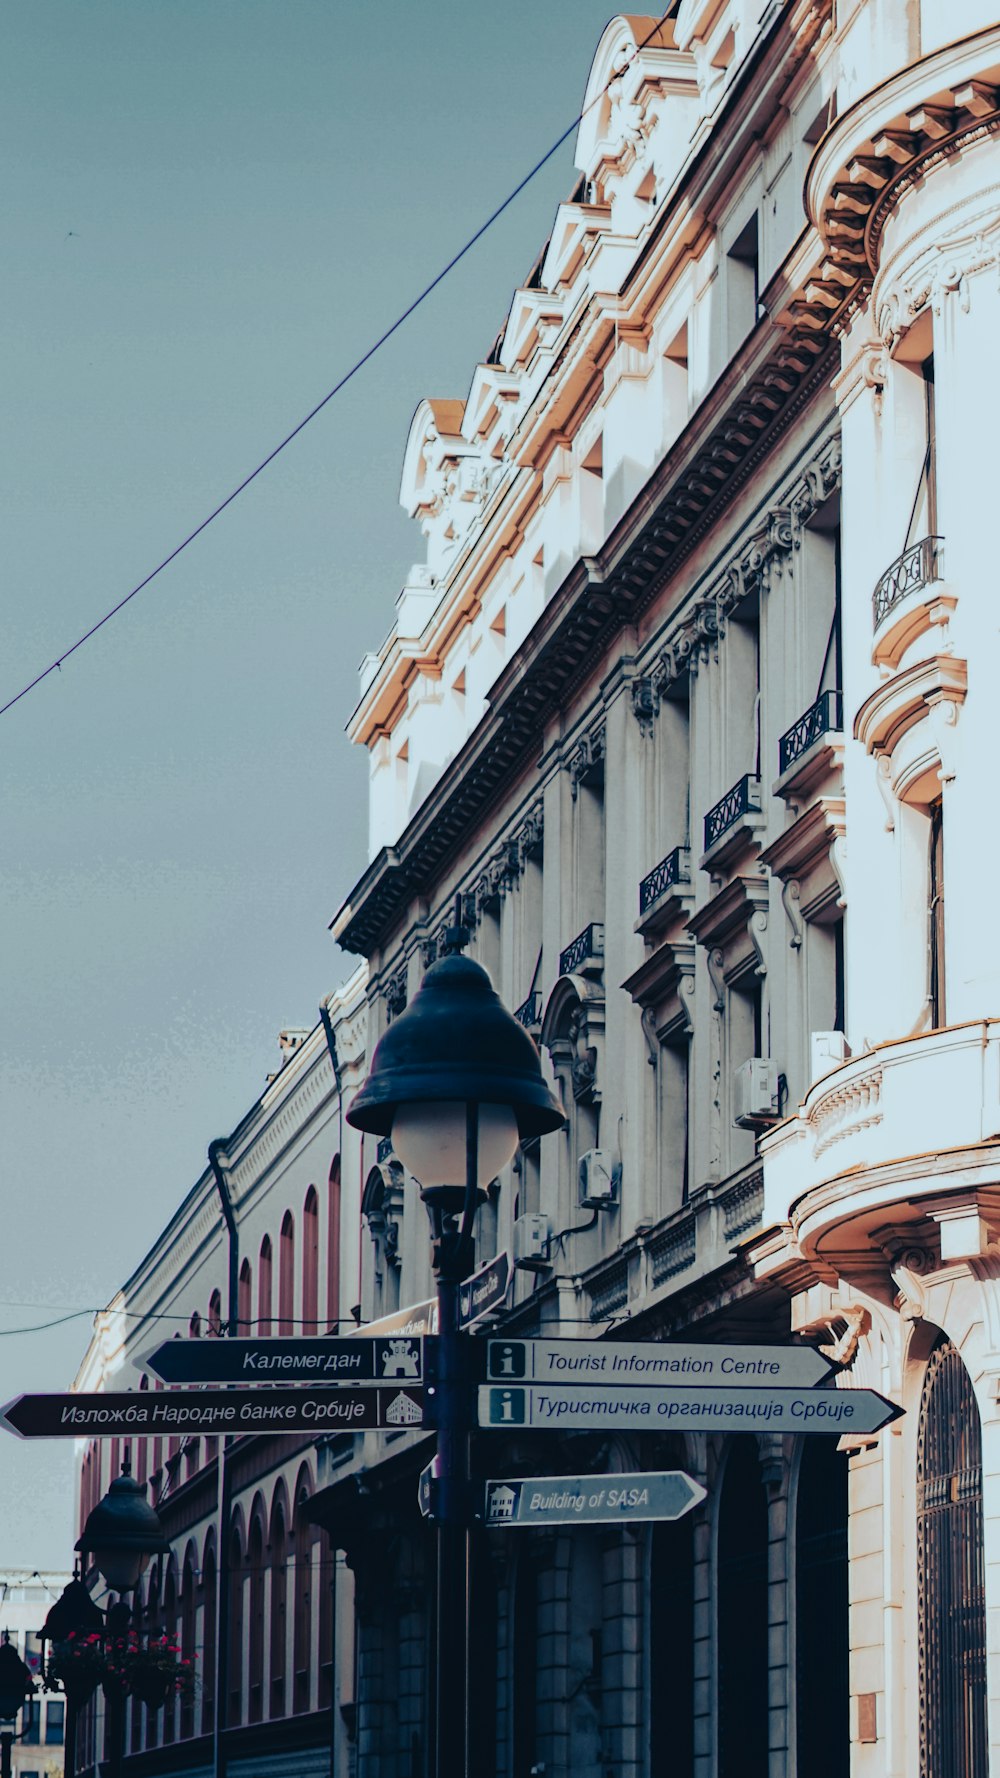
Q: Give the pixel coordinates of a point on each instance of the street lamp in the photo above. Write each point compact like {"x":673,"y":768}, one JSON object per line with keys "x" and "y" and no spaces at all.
{"x":121,"y":1534}
{"x":456,"y":1082}
{"x":16,"y":1686}
{"x":73,"y":1614}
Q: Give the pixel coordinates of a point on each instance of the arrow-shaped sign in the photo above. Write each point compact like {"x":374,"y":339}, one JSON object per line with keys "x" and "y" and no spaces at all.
{"x":212,"y":1410}
{"x":574,"y":1405}
{"x":590,"y":1499}
{"x":600,"y":1363}
{"x":290,"y":1360}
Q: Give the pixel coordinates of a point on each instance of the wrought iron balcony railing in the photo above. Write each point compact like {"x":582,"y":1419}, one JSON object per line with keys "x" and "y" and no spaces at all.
{"x":743,"y":799}
{"x":529,"y":1012}
{"x":384,"y":1150}
{"x":670,"y":870}
{"x":819,"y":719}
{"x":588,"y":943}
{"x":915,"y":568}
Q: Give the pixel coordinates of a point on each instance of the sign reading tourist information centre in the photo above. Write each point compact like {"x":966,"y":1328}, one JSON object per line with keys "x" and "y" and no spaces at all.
{"x":603,"y":1362}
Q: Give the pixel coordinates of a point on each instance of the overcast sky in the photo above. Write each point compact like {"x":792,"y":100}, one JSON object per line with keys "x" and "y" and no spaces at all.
{"x":208,"y":210}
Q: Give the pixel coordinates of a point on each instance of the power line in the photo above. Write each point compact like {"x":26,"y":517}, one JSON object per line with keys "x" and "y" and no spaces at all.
{"x":359,"y":364}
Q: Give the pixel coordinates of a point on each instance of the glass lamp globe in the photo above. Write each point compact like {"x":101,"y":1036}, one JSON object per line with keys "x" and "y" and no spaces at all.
{"x":120,"y":1568}
{"x":429,"y":1138}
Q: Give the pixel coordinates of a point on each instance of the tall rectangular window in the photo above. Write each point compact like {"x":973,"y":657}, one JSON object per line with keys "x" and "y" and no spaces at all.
{"x":935,"y":912}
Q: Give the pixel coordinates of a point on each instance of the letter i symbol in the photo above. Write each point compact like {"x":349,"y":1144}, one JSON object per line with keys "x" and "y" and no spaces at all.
{"x":507,"y":1407}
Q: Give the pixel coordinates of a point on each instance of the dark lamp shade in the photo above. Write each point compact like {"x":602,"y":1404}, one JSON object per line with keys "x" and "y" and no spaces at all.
{"x":122,"y":1533}
{"x":456,"y":1041}
{"x":15,"y":1682}
{"x":74,"y":1613}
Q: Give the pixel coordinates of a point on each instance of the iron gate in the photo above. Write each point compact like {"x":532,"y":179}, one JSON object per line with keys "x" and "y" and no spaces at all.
{"x":952,"y":1612}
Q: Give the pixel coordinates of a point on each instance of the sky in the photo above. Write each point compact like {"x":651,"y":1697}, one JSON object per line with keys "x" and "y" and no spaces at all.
{"x":208,"y":210}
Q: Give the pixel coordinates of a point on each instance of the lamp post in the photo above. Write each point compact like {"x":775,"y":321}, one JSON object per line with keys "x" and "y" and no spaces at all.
{"x":456,"y":1082}
{"x":16,"y":1686}
{"x":121,"y":1534}
{"x":73,"y":1614}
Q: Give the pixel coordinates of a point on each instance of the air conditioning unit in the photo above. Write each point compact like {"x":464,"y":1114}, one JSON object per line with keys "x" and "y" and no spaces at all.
{"x":755,"y":1094}
{"x":597,"y":1180}
{"x":531,"y":1241}
{"x":827,"y":1049}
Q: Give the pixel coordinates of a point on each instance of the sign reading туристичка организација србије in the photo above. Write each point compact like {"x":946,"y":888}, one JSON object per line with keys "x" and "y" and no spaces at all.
{"x":573,"y":1406}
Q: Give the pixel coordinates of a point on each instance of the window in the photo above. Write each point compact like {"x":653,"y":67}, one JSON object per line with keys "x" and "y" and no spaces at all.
{"x":742,"y":292}
{"x":189,"y":1610}
{"x":264,"y":1289}
{"x":31,"y":1723}
{"x":279,"y":1607}
{"x":255,"y":1563}
{"x":244,"y":1298}
{"x":333,"y":1246}
{"x":234,"y":1712}
{"x":310,"y":1263}
{"x":286,"y":1275}
{"x":821,"y":1637}
{"x":935,"y":916}
{"x":215,"y":1314}
{"x":742,"y":1608}
{"x":209,"y":1585}
{"x":302,"y":1608}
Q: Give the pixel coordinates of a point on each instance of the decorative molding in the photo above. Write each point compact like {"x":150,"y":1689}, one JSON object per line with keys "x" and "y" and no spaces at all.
{"x":587,"y":758}
{"x":394,"y":993}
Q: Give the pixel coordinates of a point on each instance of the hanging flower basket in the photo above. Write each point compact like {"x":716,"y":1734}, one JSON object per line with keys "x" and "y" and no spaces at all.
{"x":76,"y":1666}
{"x":149,"y":1671}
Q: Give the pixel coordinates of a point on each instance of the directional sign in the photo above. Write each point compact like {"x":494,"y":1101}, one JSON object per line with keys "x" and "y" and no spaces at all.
{"x":604,"y":1362}
{"x":590,"y":1499}
{"x":485,"y":1291}
{"x":352,"y":1360}
{"x":569,"y":1406}
{"x":427,"y":1490}
{"x":421,"y":1318}
{"x":296,"y":1409}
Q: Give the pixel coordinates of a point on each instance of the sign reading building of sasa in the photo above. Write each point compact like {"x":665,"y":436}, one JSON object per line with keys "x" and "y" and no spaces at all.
{"x":356,"y":1359}
{"x":590,"y":1499}
{"x":575,"y":1405}
{"x":297,"y":1409}
{"x":606,"y":1362}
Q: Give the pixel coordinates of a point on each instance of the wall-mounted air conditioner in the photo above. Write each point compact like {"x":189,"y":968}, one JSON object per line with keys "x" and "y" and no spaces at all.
{"x":756,"y":1100}
{"x":597,"y":1180}
{"x":827,"y":1049}
{"x":531,"y":1241}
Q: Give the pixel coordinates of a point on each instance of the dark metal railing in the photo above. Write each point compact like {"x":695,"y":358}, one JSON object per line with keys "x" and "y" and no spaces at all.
{"x":530,"y":1011}
{"x":917,"y":566}
{"x":588,"y":943}
{"x":824,"y":715}
{"x":743,"y":799}
{"x":383,"y":1150}
{"x":670,"y":870}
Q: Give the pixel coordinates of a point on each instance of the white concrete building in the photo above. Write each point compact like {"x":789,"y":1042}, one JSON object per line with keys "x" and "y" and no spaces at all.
{"x":25,"y":1598}
{"x":692,"y":700}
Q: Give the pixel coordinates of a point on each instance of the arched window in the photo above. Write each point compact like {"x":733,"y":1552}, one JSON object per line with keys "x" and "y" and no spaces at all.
{"x":255,"y":1563}
{"x":286,"y":1275}
{"x":210,"y":1612}
{"x":189,"y":1622}
{"x":279,"y":1603}
{"x":244,"y":1299}
{"x":741,"y":1594}
{"x":822,"y":1644}
{"x":525,"y":1725}
{"x":264,"y":1289}
{"x":215,"y":1314}
{"x":671,"y":1649}
{"x":333,"y":1246}
{"x":234,"y":1710}
{"x":302,"y":1606}
{"x":194,"y":1326}
{"x":951,"y":1601}
{"x":310,"y":1263}
{"x":168,"y":1624}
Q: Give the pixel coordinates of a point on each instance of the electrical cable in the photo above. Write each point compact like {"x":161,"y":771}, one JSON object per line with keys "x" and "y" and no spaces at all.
{"x":359,"y":364}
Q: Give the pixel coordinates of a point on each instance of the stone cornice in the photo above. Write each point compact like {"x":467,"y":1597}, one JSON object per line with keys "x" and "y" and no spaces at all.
{"x":688,"y":492}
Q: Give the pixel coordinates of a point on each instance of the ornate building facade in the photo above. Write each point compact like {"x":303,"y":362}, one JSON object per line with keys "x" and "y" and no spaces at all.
{"x":690,"y":702}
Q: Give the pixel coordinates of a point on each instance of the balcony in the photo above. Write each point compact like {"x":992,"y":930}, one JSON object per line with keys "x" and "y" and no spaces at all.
{"x":383,"y":1152}
{"x":908,"y":600}
{"x":825,"y":717}
{"x":529,"y":1013}
{"x":733,"y":822}
{"x":586,"y":948}
{"x":901,"y":1137}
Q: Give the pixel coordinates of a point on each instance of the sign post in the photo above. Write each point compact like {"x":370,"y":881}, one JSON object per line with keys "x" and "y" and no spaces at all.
{"x":570,"y":1407}
{"x":356,"y":1359}
{"x":297,"y":1409}
{"x":485,"y":1292}
{"x":601,"y":1363}
{"x":590,"y":1499}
